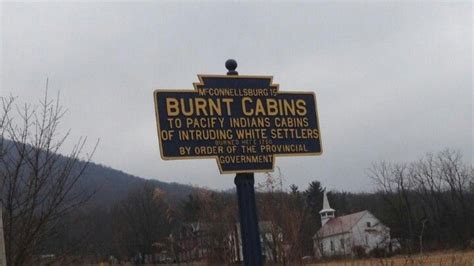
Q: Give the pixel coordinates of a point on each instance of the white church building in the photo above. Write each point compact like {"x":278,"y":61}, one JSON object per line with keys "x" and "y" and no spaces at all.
{"x":349,"y":234}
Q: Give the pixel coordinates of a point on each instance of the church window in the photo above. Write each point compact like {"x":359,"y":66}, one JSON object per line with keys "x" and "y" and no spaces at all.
{"x":368,"y":224}
{"x":342,"y":243}
{"x":332,"y":246}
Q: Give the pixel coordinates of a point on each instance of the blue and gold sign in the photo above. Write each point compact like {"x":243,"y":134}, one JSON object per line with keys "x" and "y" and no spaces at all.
{"x":241,"y":121}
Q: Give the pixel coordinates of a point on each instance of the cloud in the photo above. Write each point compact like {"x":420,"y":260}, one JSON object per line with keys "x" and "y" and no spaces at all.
{"x":393,"y":80}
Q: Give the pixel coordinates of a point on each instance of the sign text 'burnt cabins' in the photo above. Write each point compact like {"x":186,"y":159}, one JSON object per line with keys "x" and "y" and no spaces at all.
{"x":242,"y":121}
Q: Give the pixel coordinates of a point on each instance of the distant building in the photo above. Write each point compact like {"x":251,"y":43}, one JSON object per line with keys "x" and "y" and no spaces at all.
{"x":271,"y":240}
{"x":349,"y":234}
{"x":193,"y":241}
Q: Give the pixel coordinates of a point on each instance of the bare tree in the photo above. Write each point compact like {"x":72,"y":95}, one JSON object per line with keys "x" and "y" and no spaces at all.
{"x":6,"y":108}
{"x":395,"y":184}
{"x":457,"y":176}
{"x":429,"y":198}
{"x":297,"y":225}
{"x":217,"y":217}
{"x":289,"y":216}
{"x":38,"y":185}
{"x":271,"y":205}
{"x":140,"y":220}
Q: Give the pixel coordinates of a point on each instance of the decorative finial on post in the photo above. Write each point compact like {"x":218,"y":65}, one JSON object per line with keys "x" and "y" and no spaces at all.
{"x":231,"y":65}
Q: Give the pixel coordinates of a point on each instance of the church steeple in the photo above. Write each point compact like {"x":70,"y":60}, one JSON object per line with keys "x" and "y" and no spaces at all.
{"x":327,"y":213}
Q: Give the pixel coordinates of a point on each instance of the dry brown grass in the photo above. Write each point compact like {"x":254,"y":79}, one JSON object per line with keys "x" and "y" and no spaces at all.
{"x":447,"y":258}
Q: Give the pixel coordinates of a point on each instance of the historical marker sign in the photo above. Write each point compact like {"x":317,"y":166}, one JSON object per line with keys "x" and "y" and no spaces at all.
{"x":241,"y":121}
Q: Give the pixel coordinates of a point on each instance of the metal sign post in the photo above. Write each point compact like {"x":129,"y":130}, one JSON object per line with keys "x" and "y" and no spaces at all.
{"x":249,"y":230}
{"x":248,"y":219}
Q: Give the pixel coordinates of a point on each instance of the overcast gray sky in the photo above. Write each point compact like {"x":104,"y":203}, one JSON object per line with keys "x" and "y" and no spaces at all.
{"x":393,"y":80}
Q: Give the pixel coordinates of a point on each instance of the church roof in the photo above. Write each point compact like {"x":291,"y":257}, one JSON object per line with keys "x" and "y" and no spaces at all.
{"x":339,"y":225}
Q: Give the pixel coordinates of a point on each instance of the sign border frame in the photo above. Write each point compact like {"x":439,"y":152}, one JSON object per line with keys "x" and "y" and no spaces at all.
{"x":216,"y":157}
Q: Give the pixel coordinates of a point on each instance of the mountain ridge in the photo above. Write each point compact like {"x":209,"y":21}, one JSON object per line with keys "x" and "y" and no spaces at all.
{"x":113,"y":185}
{"x":109,"y":185}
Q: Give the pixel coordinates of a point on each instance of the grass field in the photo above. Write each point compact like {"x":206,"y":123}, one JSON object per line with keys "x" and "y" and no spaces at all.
{"x":438,"y":258}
